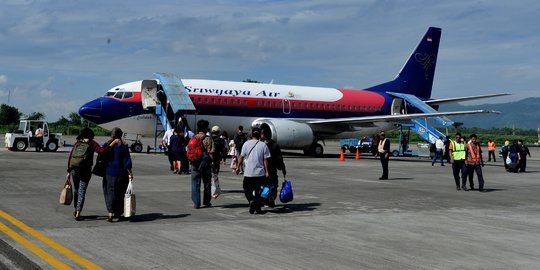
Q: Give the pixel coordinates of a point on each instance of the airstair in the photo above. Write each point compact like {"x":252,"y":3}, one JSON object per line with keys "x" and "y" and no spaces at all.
{"x":420,"y":125}
{"x":169,"y":101}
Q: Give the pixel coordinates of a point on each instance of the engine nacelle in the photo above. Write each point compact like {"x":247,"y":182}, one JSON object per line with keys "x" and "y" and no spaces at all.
{"x":288,"y":134}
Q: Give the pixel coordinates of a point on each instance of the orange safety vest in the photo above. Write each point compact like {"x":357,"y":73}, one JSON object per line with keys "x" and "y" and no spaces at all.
{"x":473,"y":156}
{"x":491,"y":146}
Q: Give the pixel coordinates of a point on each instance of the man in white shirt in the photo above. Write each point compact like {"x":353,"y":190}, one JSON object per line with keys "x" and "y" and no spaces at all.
{"x":255,"y":154}
{"x":439,"y":151}
{"x":166,"y":143}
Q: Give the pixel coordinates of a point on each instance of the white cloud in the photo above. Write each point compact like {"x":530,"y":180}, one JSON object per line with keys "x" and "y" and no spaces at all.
{"x":3,"y":79}
{"x":45,"y":93}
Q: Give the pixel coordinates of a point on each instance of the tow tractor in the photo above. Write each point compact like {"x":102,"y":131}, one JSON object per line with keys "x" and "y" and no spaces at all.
{"x":23,"y":137}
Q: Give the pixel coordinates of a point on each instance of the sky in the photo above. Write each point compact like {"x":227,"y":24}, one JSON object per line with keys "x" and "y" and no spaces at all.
{"x":57,"y":55}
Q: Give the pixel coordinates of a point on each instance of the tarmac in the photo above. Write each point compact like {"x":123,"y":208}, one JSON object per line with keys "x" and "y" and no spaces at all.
{"x":342,"y":217}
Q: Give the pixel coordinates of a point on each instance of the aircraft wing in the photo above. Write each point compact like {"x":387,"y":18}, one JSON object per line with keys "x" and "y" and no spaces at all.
{"x":397,"y":118}
{"x":439,"y":101}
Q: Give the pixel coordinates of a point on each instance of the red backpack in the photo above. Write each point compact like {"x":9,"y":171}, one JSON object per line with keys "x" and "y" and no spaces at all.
{"x":195,"y":149}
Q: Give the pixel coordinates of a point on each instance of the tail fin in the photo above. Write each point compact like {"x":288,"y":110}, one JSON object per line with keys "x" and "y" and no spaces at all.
{"x":416,"y":76}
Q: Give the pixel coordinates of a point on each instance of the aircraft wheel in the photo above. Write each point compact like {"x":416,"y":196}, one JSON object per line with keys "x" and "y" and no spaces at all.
{"x":136,"y":147}
{"x":52,"y":146}
{"x":20,"y":145}
{"x":318,"y":150}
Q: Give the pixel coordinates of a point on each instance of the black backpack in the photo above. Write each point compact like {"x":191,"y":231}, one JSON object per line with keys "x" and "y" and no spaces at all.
{"x":239,"y":140}
{"x":219,"y":146}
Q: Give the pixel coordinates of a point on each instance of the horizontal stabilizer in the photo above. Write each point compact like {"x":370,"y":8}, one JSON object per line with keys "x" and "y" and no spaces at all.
{"x":434,"y":102}
{"x":398,"y":118}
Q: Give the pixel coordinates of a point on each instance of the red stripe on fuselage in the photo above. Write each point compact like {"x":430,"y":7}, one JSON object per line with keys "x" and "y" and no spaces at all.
{"x":355,"y":100}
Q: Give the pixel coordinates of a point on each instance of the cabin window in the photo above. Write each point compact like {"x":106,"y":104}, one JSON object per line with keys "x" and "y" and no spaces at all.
{"x":226,"y":101}
{"x":318,"y":105}
{"x":299,"y":105}
{"x":311,"y":105}
{"x":232,"y":101}
{"x":339,"y":107}
{"x":245,"y":102}
{"x":213,"y":101}
{"x":199,"y":100}
{"x":257,"y":103}
{"x":206,"y":100}
{"x":350,"y":108}
{"x":219,"y":101}
{"x":239,"y":102}
{"x":294,"y":105}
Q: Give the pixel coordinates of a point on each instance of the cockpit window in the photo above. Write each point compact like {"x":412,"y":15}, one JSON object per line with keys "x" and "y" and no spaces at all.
{"x":119,"y":94}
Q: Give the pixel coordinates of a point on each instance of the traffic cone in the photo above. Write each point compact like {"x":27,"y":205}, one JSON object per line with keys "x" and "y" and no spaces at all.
{"x":357,"y":154}
{"x":342,"y":156}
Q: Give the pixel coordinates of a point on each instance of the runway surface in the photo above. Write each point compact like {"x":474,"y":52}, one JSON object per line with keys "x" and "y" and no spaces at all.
{"x":342,"y":217}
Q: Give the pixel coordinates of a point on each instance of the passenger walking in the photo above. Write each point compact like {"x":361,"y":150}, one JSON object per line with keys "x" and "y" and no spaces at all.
{"x":200,"y":152}
{"x":80,"y":163}
{"x":275,"y":163}
{"x":475,"y":162}
{"x":457,"y":158}
{"x":515,"y":157}
{"x":383,"y":151}
{"x":225,"y":137}
{"x":239,"y":139}
{"x":166,"y":142}
{"x":524,"y":152}
{"x":491,"y":149}
{"x":255,"y":155}
{"x":177,"y":145}
{"x":117,"y":176}
{"x":439,"y":151}
{"x":504,"y":153}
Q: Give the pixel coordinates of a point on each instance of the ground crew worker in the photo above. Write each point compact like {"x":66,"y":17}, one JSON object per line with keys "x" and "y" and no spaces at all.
{"x":384,"y":153}
{"x":475,"y":162}
{"x":491,"y":150}
{"x":457,"y":159}
{"x":39,"y":138}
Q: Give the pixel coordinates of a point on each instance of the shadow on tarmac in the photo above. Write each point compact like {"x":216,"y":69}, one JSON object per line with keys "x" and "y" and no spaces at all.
{"x":155,"y":216}
{"x":284,"y":209}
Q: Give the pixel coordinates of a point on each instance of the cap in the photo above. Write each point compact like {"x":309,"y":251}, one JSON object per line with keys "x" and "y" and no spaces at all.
{"x":255,"y":130}
{"x":215,"y":129}
{"x":382,"y":133}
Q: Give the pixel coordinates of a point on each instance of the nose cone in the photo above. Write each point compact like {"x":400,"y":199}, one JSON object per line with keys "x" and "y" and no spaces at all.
{"x":91,"y":111}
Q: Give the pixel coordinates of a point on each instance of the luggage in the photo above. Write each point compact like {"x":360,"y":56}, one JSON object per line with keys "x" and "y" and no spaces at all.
{"x":513,"y":167}
{"x":129,"y":201}
{"x":265,"y":191}
{"x":286,"y":193}
{"x":66,"y":196}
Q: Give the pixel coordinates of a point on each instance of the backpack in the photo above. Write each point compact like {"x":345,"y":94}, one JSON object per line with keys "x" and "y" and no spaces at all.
{"x":195,"y":149}
{"x":239,"y":140}
{"x":80,"y":156}
{"x":219,"y":145}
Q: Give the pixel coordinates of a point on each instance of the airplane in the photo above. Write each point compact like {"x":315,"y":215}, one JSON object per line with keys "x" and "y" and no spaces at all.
{"x":299,"y":117}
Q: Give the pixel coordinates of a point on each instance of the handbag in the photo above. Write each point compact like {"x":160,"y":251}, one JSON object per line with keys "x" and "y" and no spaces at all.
{"x":129,"y":201}
{"x":216,"y":190}
{"x":286,"y":193}
{"x":100,"y":166}
{"x":66,"y":195}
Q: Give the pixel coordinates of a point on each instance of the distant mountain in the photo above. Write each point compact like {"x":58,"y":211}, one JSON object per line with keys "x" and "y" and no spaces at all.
{"x":524,"y":114}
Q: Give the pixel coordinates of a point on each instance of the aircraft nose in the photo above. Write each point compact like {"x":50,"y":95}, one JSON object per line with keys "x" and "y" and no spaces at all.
{"x":91,"y":111}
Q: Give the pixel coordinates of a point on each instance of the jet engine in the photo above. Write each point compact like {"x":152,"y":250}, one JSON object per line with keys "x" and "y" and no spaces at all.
{"x":288,"y":134}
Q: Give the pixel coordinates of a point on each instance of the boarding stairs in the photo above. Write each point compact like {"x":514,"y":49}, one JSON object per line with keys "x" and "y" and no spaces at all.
{"x":170,"y":101}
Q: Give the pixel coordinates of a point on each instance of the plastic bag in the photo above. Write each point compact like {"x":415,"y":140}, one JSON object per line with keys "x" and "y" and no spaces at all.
{"x":130,"y":202}
{"x":286,"y":193}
